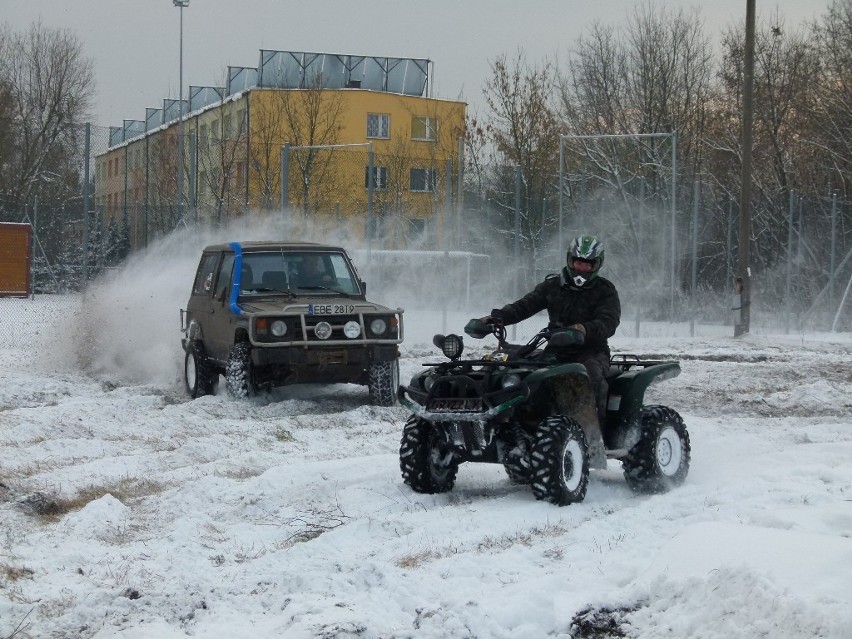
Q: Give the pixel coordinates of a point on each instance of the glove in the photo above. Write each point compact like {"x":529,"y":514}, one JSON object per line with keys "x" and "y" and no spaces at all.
{"x":497,"y":316}
{"x":578,"y":327}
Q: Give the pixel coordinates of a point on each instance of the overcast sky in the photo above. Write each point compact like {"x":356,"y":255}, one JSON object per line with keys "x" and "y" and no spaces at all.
{"x":135,"y":43}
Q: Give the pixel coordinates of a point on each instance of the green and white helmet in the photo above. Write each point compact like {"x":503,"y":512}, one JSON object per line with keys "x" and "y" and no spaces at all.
{"x":588,"y":249}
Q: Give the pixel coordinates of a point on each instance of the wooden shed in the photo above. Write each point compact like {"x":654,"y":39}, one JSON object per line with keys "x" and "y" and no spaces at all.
{"x":16,"y":257}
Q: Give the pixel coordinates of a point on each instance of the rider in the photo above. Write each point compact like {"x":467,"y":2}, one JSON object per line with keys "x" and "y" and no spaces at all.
{"x":580,"y":299}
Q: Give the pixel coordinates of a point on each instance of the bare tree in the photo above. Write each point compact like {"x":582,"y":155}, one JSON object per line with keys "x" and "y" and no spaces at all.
{"x":48,"y":84}
{"x":832,"y":105}
{"x":309,"y":117}
{"x":221,"y":162}
{"x":312,"y":118}
{"x":648,"y":81}
{"x":524,"y":130}
{"x":265,"y":152}
{"x":783,"y":76}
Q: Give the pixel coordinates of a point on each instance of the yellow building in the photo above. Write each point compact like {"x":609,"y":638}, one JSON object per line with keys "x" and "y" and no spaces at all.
{"x":362,"y":146}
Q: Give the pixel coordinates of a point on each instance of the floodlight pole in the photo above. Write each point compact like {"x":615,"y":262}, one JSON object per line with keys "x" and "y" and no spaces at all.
{"x":182,"y":4}
{"x":743,"y":270}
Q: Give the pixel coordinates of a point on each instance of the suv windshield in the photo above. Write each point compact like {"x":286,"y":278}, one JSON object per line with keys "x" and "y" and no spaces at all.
{"x":297,"y":273}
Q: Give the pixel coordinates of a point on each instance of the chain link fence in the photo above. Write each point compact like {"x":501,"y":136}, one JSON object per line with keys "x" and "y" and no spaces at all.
{"x":671,"y":243}
{"x":670,"y":251}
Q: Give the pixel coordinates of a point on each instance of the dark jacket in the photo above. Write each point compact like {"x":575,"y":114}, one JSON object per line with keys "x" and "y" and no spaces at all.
{"x":595,"y":306}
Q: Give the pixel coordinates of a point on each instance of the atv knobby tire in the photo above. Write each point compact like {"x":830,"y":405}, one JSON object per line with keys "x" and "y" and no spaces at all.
{"x":424,"y":465}
{"x":559,"y":461}
{"x":515,"y":469}
{"x":517,"y":460}
{"x":659,"y":461}
{"x":239,"y":376}
{"x":383,"y":382}
{"x":199,"y":374}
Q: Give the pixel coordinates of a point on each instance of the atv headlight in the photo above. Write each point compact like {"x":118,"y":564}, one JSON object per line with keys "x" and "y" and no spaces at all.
{"x":452,"y":346}
{"x":352,"y":329}
{"x":428,"y":383}
{"x":511,"y":380}
{"x":322,"y":330}
{"x":278,"y":328}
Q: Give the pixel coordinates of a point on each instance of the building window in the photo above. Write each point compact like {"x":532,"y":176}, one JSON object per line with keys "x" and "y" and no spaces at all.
{"x":424,"y":127}
{"x":422,"y":180}
{"x":380,"y":177}
{"x":417,"y":226}
{"x":228,"y":127}
{"x":378,"y":125}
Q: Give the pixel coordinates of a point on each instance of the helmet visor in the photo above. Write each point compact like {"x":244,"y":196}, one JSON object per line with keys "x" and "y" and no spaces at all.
{"x":582,"y":266}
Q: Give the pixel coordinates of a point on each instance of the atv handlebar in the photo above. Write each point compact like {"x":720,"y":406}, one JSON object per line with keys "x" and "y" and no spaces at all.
{"x":478,"y":328}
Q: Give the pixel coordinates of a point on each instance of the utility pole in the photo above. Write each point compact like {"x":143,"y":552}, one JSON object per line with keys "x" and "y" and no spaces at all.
{"x":181,"y":4}
{"x":743,"y":269}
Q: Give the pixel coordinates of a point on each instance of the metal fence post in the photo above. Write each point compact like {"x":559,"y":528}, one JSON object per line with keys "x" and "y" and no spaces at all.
{"x":639,"y":239}
{"x":561,"y":189}
{"x":285,"y":179}
{"x":787,"y":294}
{"x":460,"y":192}
{"x":371,"y":184}
{"x":674,"y":223}
{"x":833,"y":249}
{"x":448,"y":207}
{"x":517,"y":268}
{"x":729,"y":262}
{"x":696,"y":196}
{"x":193,"y":175}
{"x":87,"y":145}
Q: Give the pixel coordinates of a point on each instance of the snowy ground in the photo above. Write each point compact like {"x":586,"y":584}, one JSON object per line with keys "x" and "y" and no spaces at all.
{"x":127,"y":510}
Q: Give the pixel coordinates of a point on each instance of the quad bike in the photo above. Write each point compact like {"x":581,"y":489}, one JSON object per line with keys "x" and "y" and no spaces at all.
{"x":521,"y":407}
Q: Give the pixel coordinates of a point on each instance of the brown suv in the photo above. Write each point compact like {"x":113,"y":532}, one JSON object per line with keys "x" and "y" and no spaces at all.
{"x":267,"y":314}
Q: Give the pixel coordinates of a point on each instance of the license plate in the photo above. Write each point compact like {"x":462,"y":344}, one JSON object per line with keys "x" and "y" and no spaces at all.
{"x":473,"y":405}
{"x":330,"y":309}
{"x":326,"y":358}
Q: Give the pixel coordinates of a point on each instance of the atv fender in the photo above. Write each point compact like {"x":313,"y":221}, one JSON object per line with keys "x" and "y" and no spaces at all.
{"x":569,"y":386}
{"x":627,"y":391}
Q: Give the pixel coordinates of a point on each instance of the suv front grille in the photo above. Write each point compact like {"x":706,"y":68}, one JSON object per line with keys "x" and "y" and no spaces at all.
{"x":301,"y":330}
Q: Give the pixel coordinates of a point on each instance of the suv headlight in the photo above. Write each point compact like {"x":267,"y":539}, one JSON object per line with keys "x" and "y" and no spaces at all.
{"x":322,"y":330}
{"x":278,"y":328}
{"x":378,"y":326}
{"x":352,"y":329}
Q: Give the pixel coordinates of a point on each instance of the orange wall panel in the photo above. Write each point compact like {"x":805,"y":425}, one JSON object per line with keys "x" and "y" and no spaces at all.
{"x":15,"y":259}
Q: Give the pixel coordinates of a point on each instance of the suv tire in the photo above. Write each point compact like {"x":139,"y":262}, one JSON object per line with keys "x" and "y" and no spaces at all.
{"x":239,"y":375}
{"x":383,"y":382}
{"x":199,"y":374}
